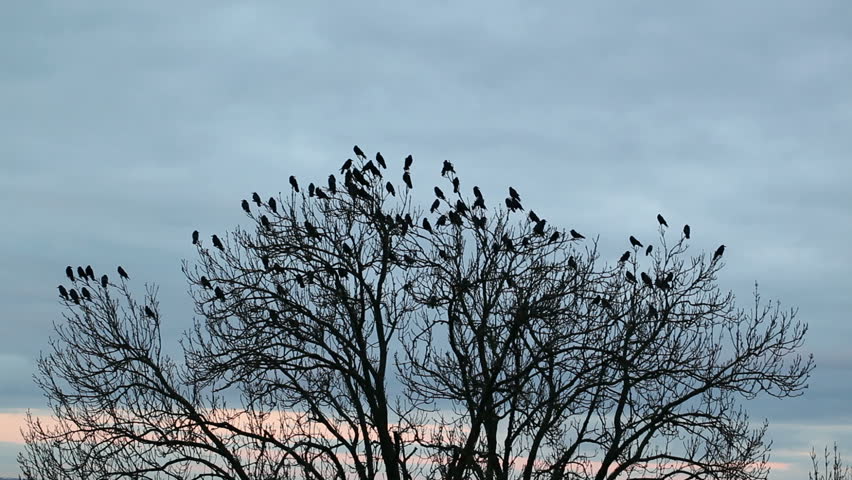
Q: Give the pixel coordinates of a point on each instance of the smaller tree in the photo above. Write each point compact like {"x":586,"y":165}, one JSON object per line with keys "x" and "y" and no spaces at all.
{"x":833,"y":468}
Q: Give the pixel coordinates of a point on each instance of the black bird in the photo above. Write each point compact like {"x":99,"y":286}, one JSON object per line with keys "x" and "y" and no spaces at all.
{"x":442,"y":220}
{"x":264,"y":220}
{"x":634,"y":242}
{"x":513,"y":204}
{"x":74,"y":296}
{"x":273,"y":315}
{"x":280,"y":290}
{"x":149,"y":313}
{"x":605,"y":303}
{"x":63,"y":293}
{"x":479,"y":203}
{"x":508,"y":243}
{"x":320,"y":194}
{"x":439,"y":194}
{"x":300,"y":281}
{"x":294,"y":183}
{"x":649,"y":250}
{"x":195,"y":237}
{"x":456,"y":184}
{"x":390,"y":189}
{"x":554,"y":236}
{"x":479,"y":222}
{"x":719,"y":252}
{"x":69,"y":272}
{"x":381,"y":160}
{"x":572,"y":263}
{"x":596,"y":300}
{"x":686,"y":232}
{"x":205,"y":282}
{"x":256,"y":199}
{"x":346,"y":165}
{"x":219,"y":293}
{"x":407,"y":179}
{"x":311,"y":189}
{"x":346,"y":249}
{"x":539,"y":227}
{"x":476,"y":192}
{"x":312,"y":231}
{"x":81,"y":273}
{"x":576,"y":235}
{"x":122,"y":273}
{"x":218,"y":243}
{"x":265,"y":260}
{"x":371,"y":168}
{"x":90,"y":272}
{"x":630,"y":277}
{"x":246,"y":207}
{"x":359,"y":152}
{"x":408,"y":161}
{"x":662,"y":284}
{"x":652,"y":311}
{"x":455,"y":219}
{"x":409,"y":220}
{"x":624,"y":257}
{"x":534,"y":217}
{"x":669,"y":277}
{"x":461,"y":207}
{"x":426,"y":225}
{"x":662,"y":220}
{"x":646,"y":279}
{"x":104,"y":281}
{"x":273,"y":205}
{"x":332,"y":184}
{"x":448,"y":167}
{"x":514,"y":194}
{"x":435,"y":205}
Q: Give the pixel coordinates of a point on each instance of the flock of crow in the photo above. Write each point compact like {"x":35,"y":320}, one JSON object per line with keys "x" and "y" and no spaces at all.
{"x":87,"y":276}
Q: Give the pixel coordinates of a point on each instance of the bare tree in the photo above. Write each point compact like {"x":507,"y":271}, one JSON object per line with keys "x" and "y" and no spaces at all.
{"x":351,"y":334}
{"x":833,"y":467}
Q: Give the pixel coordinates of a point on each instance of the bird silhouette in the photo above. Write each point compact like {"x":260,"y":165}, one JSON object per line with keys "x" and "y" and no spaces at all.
{"x":74,"y":296}
{"x":447,"y":168}
{"x":346,"y":165}
{"x":596,"y":300}
{"x":575,"y":235}
{"x":439,"y":194}
{"x":104,"y":281}
{"x":508,"y":243}
{"x":390,"y":189}
{"x":320,"y":194}
{"x":294,"y":183}
{"x":634,"y":242}
{"x":572,"y":263}
{"x":630,"y":277}
{"x":426,"y":225}
{"x":123,"y":274}
{"x":408,"y":161}
{"x":456,"y":184}
{"x":218,"y":243}
{"x":371,"y":168}
{"x":205,"y":282}
{"x":554,"y":236}
{"x":476,"y":192}
{"x":514,"y":194}
{"x":646,"y":279}
{"x":280,"y":290}
{"x":264,"y":220}
{"x":461,"y":207}
{"x":442,"y":220}
{"x":246,"y":207}
{"x":219,"y":293}
{"x":332,"y":184}
{"x":407,"y":179}
{"x":479,"y":222}
{"x":69,"y":272}
{"x":81,"y":273}
{"x":662,"y":220}
{"x":195,"y":237}
{"x":435,"y":205}
{"x":381,"y":160}
{"x":300,"y":280}
{"x":686,"y":232}
{"x":652,"y":311}
{"x":479,"y":203}
{"x":649,"y":250}
{"x":149,"y":313}
{"x":264,"y":259}
{"x":719,"y":252}
{"x":513,"y":204}
{"x":455,"y":219}
{"x":90,"y":272}
{"x":256,"y":199}
{"x":539,"y":227}
{"x":63,"y":292}
{"x":312,"y":231}
{"x":273,"y":205}
{"x":359,"y":152}
{"x":311,"y":189}
{"x":624,"y":257}
{"x":533,"y":216}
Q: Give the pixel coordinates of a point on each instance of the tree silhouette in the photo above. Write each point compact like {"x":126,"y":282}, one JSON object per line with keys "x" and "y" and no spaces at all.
{"x":346,"y":336}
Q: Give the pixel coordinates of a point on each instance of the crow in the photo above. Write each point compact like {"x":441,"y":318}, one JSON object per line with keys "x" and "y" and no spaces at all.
{"x":218,"y":243}
{"x":219,"y":293}
{"x":439,"y":194}
{"x":149,"y":313}
{"x":332,"y":184}
{"x":479,"y":222}
{"x":539,"y":227}
{"x":652,"y":311}
{"x":273,"y":315}
{"x":346,"y":165}
{"x":264,"y":220}
{"x":479,"y":203}
{"x":456,"y":184}
{"x":311,"y":189}
{"x":320,"y":194}
{"x":649,"y":250}
{"x":69,"y":272}
{"x":63,"y":293}
{"x":294,"y":183}
{"x":455,"y":219}
{"x":280,"y":290}
{"x":513,"y":204}
{"x":81,"y":273}
{"x":448,"y":167}
{"x":104,"y":281}
{"x":74,"y":296}
{"x":195,"y":237}
{"x":205,"y":282}
{"x":686,"y":232}
{"x":359,"y":152}
{"x":409,"y":220}
{"x":371,"y":168}
{"x":390,"y":189}
{"x":300,"y":281}
{"x":442,"y":220}
{"x":554,"y":236}
{"x":346,"y":249}
{"x":646,"y":279}
{"x":719,"y":252}
{"x":461,"y":207}
{"x":596,"y":300}
{"x":669,"y":277}
{"x":407,"y":179}
{"x":90,"y":272}
{"x":630,"y":277}
{"x":476,"y":192}
{"x":634,"y":242}
{"x":575,"y":235}
{"x":533,"y":216}
{"x":256,"y":199}
{"x":662,"y":220}
{"x":408,"y":161}
{"x":273,"y":205}
{"x":662,"y":284}
{"x":312,"y":231}
{"x":572,"y":263}
{"x":426,"y":225}
{"x":624,"y":257}
{"x":122,"y":273}
{"x":514,"y":194}
{"x":508,"y":243}
{"x":605,"y":303}
{"x":381,"y":160}
{"x":265,"y":260}
{"x":435,"y":205}
{"x":246,"y":207}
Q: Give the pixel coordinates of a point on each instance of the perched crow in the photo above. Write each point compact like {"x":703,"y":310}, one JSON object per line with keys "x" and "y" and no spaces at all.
{"x":479,"y":203}
{"x":81,"y":273}
{"x":539,"y":227}
{"x":346,"y":165}
{"x":649,"y":250}
{"x":719,"y":252}
{"x":576,"y":235}
{"x":455,"y":219}
{"x":74,"y":296}
{"x":513,"y":204}
{"x":320,"y":194}
{"x":669,"y":277}
{"x":605,"y":303}
{"x":448,"y":167}
{"x":205,"y":282}
{"x":245,"y":206}
{"x":662,"y":220}
{"x":439,"y":194}
{"x":426,"y":225}
{"x":332,"y":184}
{"x":300,"y":281}
{"x":218,"y":243}
{"x":476,"y":192}
{"x":409,"y":220}
{"x":456,"y":184}
{"x":273,"y":315}
{"x":273,"y":205}
{"x":256,"y":199}
{"x":686,"y":232}
{"x":572,"y":263}
{"x":346,"y":249}
{"x":122,"y":273}
{"x":624,"y":257}
{"x":646,"y":279}
{"x":294,"y":183}
{"x":508,"y":243}
{"x":533,"y":217}
{"x":479,"y":222}
{"x":265,"y":260}
{"x":219,"y":293}
{"x":311,"y":189}
{"x":381,"y":160}
{"x":554,"y":236}
{"x":514,"y":194}
{"x":596,"y":300}
{"x":104,"y":281}
{"x":312,"y":231}
{"x":442,"y":220}
{"x":63,"y":293}
{"x":408,"y":161}
{"x":195,"y":237}
{"x":371,"y":168}
{"x":662,"y":284}
{"x":435,"y":205}
{"x":390,"y":189}
{"x":264,"y":220}
{"x":149,"y":313}
{"x":280,"y":290}
{"x":652,"y":311}
{"x":461,"y":207}
{"x":630,"y":277}
{"x":407,"y":179}
{"x":90,"y":272}
{"x":634,"y":242}
{"x":69,"y":272}
{"x":359,"y":152}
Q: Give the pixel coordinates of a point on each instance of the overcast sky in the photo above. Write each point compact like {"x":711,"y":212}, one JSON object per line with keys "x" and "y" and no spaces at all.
{"x":126,"y":125}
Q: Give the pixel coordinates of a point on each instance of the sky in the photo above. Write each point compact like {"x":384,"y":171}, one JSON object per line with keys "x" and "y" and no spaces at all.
{"x":126,"y":125}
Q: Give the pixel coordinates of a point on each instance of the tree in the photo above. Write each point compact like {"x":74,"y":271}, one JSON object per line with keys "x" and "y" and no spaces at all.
{"x":355,"y":343}
{"x":833,"y":467}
